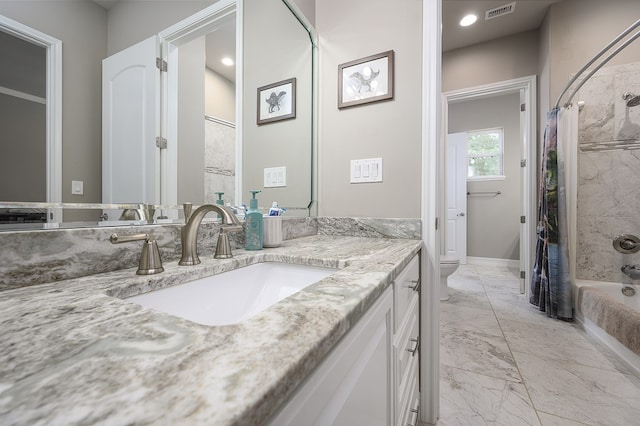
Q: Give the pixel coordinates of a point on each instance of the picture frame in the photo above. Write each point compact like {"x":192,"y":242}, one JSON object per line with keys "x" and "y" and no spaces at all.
{"x":366,"y":80}
{"x":277,"y":101}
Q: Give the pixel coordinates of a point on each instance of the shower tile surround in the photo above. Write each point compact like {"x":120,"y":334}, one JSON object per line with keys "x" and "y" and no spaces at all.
{"x":608,"y":177}
{"x":219,"y":158}
{"x":137,"y":362}
{"x":36,"y":257}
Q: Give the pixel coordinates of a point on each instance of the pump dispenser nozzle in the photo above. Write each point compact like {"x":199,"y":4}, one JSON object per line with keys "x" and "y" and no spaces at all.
{"x":253,"y":203}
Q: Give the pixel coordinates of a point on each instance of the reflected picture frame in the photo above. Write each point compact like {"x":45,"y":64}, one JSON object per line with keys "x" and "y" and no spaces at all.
{"x":366,"y":80}
{"x":277,"y":101}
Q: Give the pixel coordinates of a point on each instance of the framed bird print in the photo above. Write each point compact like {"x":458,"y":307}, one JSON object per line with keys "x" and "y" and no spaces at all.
{"x":365,"y":80}
{"x":277,"y":101}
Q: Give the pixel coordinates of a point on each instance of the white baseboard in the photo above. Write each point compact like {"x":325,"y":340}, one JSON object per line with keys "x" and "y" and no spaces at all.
{"x":490,"y":261}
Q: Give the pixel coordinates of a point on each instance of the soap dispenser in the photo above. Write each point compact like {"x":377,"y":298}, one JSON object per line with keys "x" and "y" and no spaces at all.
{"x":253,"y":234}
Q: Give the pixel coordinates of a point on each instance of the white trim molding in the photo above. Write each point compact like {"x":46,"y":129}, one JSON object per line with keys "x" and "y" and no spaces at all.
{"x":430,"y":203}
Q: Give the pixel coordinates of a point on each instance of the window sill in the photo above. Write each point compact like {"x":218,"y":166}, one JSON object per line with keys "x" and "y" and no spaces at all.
{"x":485,"y":178}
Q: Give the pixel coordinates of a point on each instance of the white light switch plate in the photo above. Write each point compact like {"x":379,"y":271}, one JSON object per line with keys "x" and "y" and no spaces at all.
{"x":77,"y":187}
{"x":366,"y":170}
{"x":275,"y":177}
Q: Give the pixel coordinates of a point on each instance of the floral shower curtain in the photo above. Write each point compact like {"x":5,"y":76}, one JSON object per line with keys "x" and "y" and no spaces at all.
{"x":551,"y":288}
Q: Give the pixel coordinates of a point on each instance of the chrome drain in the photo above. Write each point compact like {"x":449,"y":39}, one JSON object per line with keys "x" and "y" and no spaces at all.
{"x":628,"y":291}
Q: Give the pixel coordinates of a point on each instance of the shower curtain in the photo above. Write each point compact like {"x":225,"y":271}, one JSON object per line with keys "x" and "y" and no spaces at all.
{"x":551,"y":289}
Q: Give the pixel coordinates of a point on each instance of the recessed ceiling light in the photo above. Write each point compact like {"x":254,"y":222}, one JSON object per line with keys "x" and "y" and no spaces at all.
{"x":468,"y":20}
{"x":227,"y":61}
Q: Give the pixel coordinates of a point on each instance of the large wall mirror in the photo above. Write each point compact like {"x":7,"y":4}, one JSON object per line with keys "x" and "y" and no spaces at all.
{"x":207,"y":112}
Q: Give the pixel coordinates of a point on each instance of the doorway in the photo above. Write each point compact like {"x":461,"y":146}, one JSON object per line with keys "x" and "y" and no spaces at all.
{"x":48,"y":98}
{"x":524,"y":89}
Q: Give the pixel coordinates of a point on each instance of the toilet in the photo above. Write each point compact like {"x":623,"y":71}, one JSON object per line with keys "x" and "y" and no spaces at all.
{"x":448,"y":266}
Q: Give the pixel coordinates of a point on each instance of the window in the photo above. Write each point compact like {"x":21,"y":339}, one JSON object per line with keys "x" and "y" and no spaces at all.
{"x":484,"y":154}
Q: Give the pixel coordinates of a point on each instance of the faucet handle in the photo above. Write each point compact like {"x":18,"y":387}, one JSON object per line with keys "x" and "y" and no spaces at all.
{"x":150,"y":261}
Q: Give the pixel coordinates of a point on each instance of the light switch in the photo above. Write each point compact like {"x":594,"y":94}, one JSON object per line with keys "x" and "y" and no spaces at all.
{"x":275,"y":177}
{"x":355,"y":169}
{"x":366,"y":171}
{"x":77,"y":187}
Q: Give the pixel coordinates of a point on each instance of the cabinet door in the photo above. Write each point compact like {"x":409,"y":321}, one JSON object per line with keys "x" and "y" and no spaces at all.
{"x":353,"y":385}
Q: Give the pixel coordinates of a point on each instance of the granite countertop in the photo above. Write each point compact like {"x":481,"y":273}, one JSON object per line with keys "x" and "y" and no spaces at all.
{"x":74,"y":352}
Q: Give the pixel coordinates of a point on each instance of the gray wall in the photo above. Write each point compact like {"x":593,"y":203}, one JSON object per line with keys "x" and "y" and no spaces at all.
{"x":308,"y":9}
{"x":22,"y":146}
{"x":490,"y":62}
{"x":391,"y":129}
{"x":134,"y":21}
{"x":82,"y":28}
{"x":493,"y":223}
{"x":191,"y":94}
{"x":220,"y":97}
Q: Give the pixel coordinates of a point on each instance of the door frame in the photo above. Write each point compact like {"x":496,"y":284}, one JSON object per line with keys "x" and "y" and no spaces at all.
{"x":526,"y":86}
{"x":53,"y":47}
{"x":171,"y":38}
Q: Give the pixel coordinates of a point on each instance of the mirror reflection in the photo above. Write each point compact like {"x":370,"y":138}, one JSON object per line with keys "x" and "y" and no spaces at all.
{"x":213,"y":141}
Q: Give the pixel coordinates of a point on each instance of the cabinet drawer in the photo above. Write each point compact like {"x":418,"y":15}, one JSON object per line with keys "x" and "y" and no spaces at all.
{"x":410,"y":401}
{"x":405,"y":349}
{"x":405,"y":287}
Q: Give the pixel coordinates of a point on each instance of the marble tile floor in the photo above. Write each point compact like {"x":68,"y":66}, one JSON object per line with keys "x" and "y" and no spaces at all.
{"x":502,"y":362}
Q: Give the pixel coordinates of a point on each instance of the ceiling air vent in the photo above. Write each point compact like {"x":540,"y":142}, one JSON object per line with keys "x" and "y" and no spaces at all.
{"x":499,"y":11}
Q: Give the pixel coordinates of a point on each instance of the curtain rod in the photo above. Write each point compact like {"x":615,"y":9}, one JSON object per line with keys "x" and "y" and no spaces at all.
{"x":597,"y":56}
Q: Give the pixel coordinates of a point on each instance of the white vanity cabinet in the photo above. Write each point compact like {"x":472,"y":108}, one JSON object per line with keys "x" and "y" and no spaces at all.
{"x":406,"y":344}
{"x":371,"y":376}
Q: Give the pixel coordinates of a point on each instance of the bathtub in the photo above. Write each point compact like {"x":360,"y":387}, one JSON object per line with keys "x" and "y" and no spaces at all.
{"x":611,"y":318}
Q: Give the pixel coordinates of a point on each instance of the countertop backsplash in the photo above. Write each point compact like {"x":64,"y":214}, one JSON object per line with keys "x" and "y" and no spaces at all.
{"x":35,"y":257}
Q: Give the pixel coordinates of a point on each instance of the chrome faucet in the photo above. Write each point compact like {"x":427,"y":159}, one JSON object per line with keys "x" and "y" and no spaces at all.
{"x":190,"y":233}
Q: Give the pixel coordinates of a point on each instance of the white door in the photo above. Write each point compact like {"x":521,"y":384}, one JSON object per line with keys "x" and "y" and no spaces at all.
{"x":130,"y":120}
{"x":456,"y":196}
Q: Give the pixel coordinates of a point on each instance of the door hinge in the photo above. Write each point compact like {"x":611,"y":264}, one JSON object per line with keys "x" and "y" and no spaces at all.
{"x":161,"y":64}
{"x":523,"y":163}
{"x":523,"y":107}
{"x":436,"y":223}
{"x":523,"y":219}
{"x":523,"y":274}
{"x":161,"y":142}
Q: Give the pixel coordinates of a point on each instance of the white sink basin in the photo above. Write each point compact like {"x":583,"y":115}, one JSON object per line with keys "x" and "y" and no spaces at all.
{"x":234,"y":296}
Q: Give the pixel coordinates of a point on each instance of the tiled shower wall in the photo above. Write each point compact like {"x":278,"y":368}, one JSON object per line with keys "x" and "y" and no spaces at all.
{"x":219,"y":160}
{"x":608,"y":173}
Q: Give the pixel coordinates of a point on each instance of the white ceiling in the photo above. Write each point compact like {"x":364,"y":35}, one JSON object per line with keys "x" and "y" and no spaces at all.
{"x":527,"y":15}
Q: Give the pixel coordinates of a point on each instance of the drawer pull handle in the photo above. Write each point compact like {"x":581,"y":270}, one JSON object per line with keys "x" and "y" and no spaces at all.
{"x":414,"y":411}
{"x":415,"y":285}
{"x":415,"y":349}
